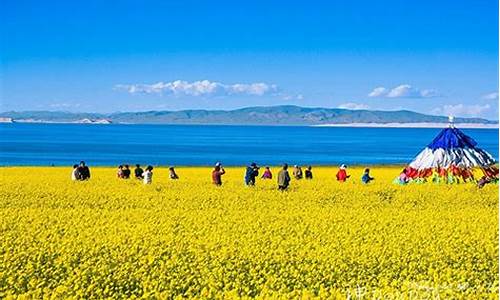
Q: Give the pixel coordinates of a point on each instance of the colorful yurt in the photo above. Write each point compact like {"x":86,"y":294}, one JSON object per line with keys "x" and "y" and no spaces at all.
{"x":451,"y":157}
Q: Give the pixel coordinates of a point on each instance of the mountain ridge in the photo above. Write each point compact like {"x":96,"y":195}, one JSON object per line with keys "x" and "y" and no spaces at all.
{"x":256,"y":115}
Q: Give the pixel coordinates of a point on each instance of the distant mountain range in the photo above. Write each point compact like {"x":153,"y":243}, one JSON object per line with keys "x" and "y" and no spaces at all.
{"x":272,"y":115}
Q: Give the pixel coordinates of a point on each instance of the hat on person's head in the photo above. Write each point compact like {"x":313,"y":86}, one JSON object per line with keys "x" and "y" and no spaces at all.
{"x":254,"y":165}
{"x":217,"y":164}
{"x":343,"y":166}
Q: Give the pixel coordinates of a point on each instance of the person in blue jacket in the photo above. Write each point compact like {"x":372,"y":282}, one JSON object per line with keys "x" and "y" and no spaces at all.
{"x":251,"y":173}
{"x":366,"y":178}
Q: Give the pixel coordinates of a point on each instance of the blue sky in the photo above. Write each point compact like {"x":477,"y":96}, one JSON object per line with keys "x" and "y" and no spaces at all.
{"x":437,"y":57}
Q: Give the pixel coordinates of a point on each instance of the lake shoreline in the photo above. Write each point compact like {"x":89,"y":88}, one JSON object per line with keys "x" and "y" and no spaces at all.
{"x":341,"y":125}
{"x":411,"y":125}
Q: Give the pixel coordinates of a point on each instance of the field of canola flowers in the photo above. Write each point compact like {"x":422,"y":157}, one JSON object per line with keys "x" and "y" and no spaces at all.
{"x":111,"y":238}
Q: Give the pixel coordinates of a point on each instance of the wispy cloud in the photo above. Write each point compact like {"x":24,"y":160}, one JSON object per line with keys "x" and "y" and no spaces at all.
{"x":462,"y":110}
{"x":402,"y":91}
{"x":490,"y":96}
{"x":353,"y":106}
{"x":64,"y":105}
{"x":201,"y":88}
{"x":292,"y":97}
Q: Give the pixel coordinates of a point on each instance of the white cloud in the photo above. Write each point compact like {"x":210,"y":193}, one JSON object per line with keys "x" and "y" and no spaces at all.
{"x":257,"y":89}
{"x":490,"y":96}
{"x":353,"y":106}
{"x":402,"y":91}
{"x":200,"y":88}
{"x":461,"y":110}
{"x":378,"y":92}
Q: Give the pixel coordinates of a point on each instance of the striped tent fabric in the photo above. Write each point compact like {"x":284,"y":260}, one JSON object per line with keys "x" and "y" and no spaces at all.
{"x":452,"y":154}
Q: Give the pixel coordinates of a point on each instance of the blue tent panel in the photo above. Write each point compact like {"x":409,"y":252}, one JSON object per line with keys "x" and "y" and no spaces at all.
{"x":450,"y":138}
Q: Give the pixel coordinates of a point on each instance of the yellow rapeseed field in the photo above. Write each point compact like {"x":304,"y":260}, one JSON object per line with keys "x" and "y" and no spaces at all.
{"x":112,"y":238}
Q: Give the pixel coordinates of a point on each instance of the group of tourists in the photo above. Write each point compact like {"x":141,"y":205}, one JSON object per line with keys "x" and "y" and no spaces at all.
{"x":252,"y":172}
{"x":438,"y":175}
{"x":146,"y":175}
{"x":284,"y":178}
{"x":80,"y":172}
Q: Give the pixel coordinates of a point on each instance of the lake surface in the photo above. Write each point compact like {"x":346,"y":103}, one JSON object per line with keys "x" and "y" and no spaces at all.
{"x":189,"y":145}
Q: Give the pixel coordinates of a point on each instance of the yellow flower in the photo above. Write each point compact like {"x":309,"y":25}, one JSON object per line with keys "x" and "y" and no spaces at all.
{"x":110,"y":238}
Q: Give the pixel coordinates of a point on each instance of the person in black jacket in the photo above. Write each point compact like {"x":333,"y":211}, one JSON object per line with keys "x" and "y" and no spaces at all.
{"x":83,"y":171}
{"x":172,"y":174}
{"x":138,"y":171}
{"x":308,"y":173}
{"x":251,"y":173}
{"x":126,"y":172}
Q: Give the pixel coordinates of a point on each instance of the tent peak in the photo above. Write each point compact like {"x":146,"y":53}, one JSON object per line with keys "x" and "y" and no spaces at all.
{"x":451,"y":121}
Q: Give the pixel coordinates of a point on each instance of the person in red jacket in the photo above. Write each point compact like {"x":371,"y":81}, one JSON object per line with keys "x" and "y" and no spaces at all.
{"x":217,"y":174}
{"x":342,"y":174}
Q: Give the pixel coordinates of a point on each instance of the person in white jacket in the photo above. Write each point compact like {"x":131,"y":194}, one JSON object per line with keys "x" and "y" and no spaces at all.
{"x":74,"y":173}
{"x":148,"y":175}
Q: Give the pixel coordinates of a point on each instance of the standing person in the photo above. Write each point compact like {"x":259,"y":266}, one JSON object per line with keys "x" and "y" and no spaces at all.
{"x":217,"y":174}
{"x":283,"y":178}
{"x":83,"y":171}
{"x":138,"y":171}
{"x":297,"y":172}
{"x":74,"y":174}
{"x":267,"y":174}
{"x":342,"y":173}
{"x":172,"y":174}
{"x":148,"y":175}
{"x":308,"y":173}
{"x":126,"y":172}
{"x":366,"y":178}
{"x":119,"y":172}
{"x":251,"y":173}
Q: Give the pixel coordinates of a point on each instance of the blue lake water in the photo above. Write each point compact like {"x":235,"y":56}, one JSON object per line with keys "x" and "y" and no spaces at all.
{"x":66,"y":144}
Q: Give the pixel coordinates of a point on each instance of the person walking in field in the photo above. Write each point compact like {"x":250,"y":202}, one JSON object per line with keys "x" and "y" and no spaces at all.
{"x":366,"y":178}
{"x":83,"y":171}
{"x":297,"y":172}
{"x":251,"y":173}
{"x":267,"y":174}
{"x":126,"y":172}
{"x":283,"y":178}
{"x":342,"y":174}
{"x":172,"y":174}
{"x":147,"y":175}
{"x":217,"y":174}
{"x":138,"y":171}
{"x":308,"y":173}
{"x":74,"y":174}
